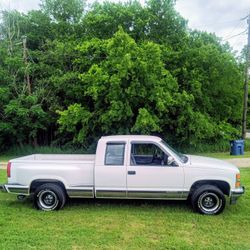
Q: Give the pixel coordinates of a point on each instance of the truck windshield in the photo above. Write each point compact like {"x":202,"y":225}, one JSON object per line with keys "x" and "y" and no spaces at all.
{"x":183,"y":158}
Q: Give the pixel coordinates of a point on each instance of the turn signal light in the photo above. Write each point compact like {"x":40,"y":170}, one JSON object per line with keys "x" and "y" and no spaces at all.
{"x":237,"y":184}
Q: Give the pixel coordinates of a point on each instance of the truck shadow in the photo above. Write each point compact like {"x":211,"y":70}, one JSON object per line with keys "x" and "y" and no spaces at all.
{"x":131,"y":203}
{"x":110,"y":203}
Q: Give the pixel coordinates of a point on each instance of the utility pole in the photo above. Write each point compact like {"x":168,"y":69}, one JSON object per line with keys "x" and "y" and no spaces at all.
{"x":244,"y":121}
{"x":25,"y":58}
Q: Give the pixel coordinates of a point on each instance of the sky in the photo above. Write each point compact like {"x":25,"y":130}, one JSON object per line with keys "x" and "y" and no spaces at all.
{"x":222,"y":17}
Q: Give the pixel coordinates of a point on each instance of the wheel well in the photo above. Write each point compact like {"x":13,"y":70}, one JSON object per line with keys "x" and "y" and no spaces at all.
{"x":36,"y":183}
{"x":222,"y":185}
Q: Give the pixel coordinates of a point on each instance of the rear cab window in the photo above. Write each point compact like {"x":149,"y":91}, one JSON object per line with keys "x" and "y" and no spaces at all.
{"x":115,"y":153}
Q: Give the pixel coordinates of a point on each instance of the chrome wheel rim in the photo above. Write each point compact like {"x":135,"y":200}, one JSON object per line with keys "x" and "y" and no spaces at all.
{"x":209,"y":203}
{"x":48,"y":199}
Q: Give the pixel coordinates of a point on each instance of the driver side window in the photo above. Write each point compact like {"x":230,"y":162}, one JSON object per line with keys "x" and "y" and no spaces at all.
{"x":147,"y":154}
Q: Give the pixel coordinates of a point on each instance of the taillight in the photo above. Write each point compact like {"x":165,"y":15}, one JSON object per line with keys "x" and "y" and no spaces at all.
{"x":237,"y":183}
{"x":8,"y":169}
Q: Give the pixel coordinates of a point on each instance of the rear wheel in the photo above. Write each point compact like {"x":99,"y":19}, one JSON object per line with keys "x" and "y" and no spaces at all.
{"x":208,"y":199}
{"x":49,"y":197}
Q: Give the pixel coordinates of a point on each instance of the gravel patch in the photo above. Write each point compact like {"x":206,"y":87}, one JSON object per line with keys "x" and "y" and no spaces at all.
{"x":240,"y":162}
{"x":3,"y":165}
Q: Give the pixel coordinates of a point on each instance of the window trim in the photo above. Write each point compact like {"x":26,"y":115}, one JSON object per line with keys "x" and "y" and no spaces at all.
{"x":156,"y":144}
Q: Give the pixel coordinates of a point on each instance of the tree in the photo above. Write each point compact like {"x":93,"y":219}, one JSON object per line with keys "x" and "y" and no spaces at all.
{"x":157,"y":21}
{"x":112,"y":68}
{"x":29,"y":111}
{"x":64,"y":10}
{"x":126,"y":89}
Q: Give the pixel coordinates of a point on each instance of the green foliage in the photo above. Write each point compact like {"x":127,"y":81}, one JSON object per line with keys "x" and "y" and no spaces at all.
{"x":115,"y":68}
{"x":63,"y":10}
{"x":128,"y":88}
{"x":146,"y":123}
{"x":76,"y":121}
{"x":27,"y":110}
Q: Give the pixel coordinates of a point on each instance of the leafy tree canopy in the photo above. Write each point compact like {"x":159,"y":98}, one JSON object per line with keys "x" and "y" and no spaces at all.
{"x":114,"y":68}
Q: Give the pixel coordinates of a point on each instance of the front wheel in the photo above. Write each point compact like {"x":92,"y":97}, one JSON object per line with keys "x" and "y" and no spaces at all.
{"x":208,"y":199}
{"x":49,"y":197}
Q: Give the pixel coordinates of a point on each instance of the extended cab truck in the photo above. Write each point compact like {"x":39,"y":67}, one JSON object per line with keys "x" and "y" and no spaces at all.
{"x":125,"y":167}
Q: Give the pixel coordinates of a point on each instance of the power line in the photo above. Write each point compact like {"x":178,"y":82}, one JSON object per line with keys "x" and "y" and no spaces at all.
{"x":241,"y":33}
{"x":237,"y":26}
{"x":244,"y":18}
{"x":223,"y":22}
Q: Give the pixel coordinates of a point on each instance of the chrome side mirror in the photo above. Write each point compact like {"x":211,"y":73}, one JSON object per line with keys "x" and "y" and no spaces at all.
{"x":170,"y":160}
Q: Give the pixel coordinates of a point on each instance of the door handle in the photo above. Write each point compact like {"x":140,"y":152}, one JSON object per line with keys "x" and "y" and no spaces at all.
{"x":131,"y":172}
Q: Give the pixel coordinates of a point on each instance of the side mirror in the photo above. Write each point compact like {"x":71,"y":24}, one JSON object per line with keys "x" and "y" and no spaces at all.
{"x":170,"y":160}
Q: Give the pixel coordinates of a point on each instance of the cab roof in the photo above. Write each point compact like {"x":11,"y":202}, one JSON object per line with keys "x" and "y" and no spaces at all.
{"x":131,"y":138}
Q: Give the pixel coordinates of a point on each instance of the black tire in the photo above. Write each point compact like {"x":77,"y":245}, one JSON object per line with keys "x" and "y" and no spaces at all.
{"x":49,"y":197}
{"x":208,"y":199}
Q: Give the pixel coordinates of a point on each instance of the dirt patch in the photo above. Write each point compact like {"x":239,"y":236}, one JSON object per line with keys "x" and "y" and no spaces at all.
{"x":240,"y":162}
{"x":3,"y":165}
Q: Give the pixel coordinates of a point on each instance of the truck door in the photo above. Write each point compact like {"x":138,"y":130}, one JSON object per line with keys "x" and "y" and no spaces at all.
{"x":150,"y":176}
{"x":110,"y":170}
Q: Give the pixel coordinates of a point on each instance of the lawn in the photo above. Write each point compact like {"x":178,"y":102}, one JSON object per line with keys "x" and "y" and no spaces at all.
{"x":225,"y":155}
{"x":106,"y":224}
{"x":5,"y":158}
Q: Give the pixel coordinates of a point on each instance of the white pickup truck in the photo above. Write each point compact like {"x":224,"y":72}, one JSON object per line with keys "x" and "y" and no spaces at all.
{"x":125,"y":167}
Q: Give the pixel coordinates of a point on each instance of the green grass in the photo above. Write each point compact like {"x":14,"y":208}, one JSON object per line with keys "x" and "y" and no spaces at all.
{"x":28,"y":150}
{"x":5,"y":158}
{"x":225,"y":155}
{"x":105,"y":224}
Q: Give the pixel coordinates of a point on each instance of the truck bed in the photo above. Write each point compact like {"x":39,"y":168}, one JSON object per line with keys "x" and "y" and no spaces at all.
{"x":56,"y":157}
{"x":71,"y":169}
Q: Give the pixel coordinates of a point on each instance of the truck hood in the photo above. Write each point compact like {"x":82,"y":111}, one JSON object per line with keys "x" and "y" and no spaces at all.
{"x":207,"y":162}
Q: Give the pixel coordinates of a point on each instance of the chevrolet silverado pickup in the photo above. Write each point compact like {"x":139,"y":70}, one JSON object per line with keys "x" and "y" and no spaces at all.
{"x":125,"y":167}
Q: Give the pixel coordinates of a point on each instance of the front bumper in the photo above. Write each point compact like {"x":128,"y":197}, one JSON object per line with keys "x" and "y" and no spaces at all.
{"x":235,"y":194}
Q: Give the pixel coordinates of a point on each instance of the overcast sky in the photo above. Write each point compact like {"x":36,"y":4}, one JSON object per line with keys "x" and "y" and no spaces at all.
{"x":221,"y":17}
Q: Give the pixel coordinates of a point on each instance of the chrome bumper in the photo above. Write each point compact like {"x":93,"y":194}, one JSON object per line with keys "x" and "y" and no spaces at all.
{"x":235,"y":194}
{"x":15,"y":189}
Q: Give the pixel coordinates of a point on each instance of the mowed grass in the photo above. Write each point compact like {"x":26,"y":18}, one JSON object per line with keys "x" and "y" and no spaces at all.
{"x":107,"y":224}
{"x":225,"y":155}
